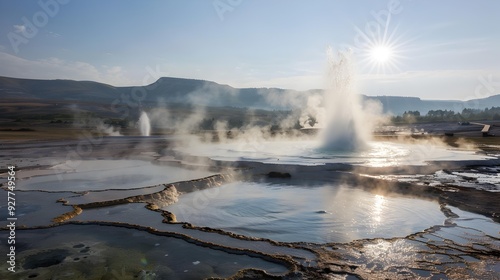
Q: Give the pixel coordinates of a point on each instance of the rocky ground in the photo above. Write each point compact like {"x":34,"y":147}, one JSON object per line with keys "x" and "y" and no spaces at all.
{"x":467,"y":244}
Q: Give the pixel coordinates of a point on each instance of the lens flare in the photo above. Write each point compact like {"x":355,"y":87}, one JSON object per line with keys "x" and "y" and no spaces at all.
{"x":381,"y":54}
{"x":380,"y":49}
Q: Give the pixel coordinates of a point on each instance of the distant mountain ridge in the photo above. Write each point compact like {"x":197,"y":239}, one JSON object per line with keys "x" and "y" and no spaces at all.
{"x":207,"y":93}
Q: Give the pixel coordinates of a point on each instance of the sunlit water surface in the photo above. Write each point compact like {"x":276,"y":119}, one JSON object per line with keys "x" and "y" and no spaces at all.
{"x":326,"y":213}
{"x":109,"y":174}
{"x":309,"y":152}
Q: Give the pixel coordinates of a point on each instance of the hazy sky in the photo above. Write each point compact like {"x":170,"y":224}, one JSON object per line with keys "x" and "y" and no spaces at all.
{"x":437,"y":49}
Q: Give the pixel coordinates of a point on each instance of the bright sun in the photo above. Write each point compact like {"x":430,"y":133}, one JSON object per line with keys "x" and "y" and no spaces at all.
{"x":381,"y":54}
{"x":380,"y":50}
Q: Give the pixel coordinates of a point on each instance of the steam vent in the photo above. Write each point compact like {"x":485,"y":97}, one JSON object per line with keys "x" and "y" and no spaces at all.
{"x":240,"y":140}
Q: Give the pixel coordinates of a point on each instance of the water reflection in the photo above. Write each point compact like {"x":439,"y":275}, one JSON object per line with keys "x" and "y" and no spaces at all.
{"x":309,"y":152}
{"x":378,"y":207}
{"x":388,"y":254}
{"x":106,"y":252}
{"x":110,"y":174}
{"x":326,"y":213}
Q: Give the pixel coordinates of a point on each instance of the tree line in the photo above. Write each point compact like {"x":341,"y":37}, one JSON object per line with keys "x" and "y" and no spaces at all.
{"x":467,"y":114}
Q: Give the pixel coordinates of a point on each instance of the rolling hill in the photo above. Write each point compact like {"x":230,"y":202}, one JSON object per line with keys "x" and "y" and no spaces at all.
{"x":199,"y":92}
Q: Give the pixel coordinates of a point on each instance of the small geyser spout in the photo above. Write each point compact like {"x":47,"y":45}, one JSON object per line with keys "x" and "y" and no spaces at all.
{"x":343,"y":129}
{"x":144,"y":124}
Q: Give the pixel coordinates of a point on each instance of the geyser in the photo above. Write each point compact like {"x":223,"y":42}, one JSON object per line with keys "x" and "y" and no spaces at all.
{"x":343,"y":128}
{"x":144,"y":124}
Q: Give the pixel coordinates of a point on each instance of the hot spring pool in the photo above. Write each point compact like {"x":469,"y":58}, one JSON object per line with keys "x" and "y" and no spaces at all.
{"x":109,"y":174}
{"x":289,"y":213}
{"x":309,"y":152}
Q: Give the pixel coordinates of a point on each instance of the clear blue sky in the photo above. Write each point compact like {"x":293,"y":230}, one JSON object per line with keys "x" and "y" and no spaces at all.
{"x":440,"y":49}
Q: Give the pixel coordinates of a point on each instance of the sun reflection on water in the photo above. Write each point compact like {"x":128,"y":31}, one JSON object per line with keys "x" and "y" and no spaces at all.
{"x":389,"y":254}
{"x":383,"y":154}
{"x":310,"y":152}
{"x":378,"y":207}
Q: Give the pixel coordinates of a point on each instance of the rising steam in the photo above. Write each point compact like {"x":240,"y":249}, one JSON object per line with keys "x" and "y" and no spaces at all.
{"x":344,"y":128}
{"x":144,"y":124}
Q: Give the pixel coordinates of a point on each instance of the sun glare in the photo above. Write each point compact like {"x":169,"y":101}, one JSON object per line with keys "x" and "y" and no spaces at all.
{"x":381,"y":54}
{"x":381,"y":51}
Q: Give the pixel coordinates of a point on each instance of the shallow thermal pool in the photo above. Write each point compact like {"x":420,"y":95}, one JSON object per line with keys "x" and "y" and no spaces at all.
{"x":324,"y":213}
{"x":106,"y":252}
{"x":309,"y":152}
{"x":109,"y":174}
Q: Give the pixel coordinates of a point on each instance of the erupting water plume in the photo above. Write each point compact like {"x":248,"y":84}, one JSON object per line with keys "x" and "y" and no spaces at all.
{"x":343,"y":129}
{"x":144,"y":124}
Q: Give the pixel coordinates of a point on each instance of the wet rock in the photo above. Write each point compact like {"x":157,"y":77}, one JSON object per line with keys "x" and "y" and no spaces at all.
{"x":203,"y":183}
{"x":164,"y":198}
{"x":45,"y":259}
{"x":281,"y":175}
{"x":86,"y":250}
{"x":66,"y":216}
{"x":251,"y":273}
{"x":146,"y":275}
{"x":169,"y":217}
